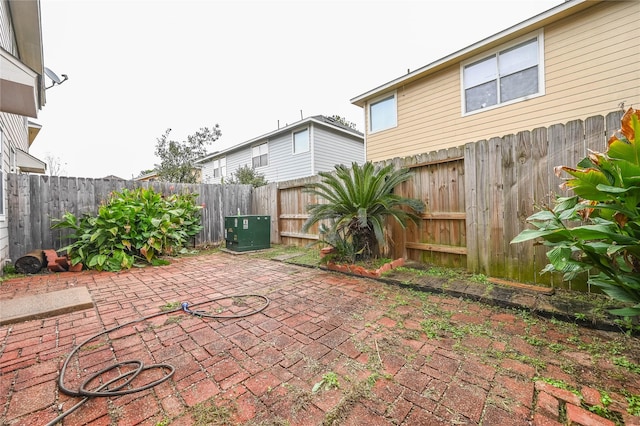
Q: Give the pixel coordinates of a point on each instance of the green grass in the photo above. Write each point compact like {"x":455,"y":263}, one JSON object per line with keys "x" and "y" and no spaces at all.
{"x":170,"y":306}
{"x":9,"y":272}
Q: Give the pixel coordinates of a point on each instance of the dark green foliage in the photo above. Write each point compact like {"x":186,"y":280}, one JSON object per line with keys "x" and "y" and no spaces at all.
{"x":356,"y":203}
{"x":132,"y":226}
{"x":606,"y":204}
{"x":177,"y":158}
{"x":246,"y":175}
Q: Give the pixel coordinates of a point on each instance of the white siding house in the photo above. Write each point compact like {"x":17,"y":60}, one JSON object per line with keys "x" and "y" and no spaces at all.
{"x":301,"y":149}
{"x":21,"y":97}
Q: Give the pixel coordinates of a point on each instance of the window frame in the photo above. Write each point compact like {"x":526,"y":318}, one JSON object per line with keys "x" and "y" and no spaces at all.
{"x":293,"y":140}
{"x":220,"y":166}
{"x":389,"y":95}
{"x":266,"y":154}
{"x":539,"y":35}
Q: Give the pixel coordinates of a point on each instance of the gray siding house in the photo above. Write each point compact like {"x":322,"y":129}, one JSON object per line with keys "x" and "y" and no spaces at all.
{"x":22,"y":95}
{"x":301,"y":149}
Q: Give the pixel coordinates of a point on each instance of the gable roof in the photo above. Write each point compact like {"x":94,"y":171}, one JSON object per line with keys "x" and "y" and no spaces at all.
{"x":317,"y":119}
{"x":569,"y":7}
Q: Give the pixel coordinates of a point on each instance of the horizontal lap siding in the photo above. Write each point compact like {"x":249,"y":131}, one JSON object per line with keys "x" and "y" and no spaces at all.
{"x":207,"y":173}
{"x":420,"y":107}
{"x":238,"y":159}
{"x":283,"y":164}
{"x":6,"y":30}
{"x":591,"y":64}
{"x":331,"y":148}
{"x":590,"y":67}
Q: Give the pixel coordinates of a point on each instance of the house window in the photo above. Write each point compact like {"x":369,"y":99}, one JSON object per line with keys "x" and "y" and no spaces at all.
{"x":260,"y":155}
{"x":382,"y":113}
{"x":220,"y":167}
{"x":508,"y":75}
{"x":301,"y":141}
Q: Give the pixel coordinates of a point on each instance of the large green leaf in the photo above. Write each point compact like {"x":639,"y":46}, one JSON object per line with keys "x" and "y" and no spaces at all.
{"x":585,"y":183}
{"x":531,"y":234}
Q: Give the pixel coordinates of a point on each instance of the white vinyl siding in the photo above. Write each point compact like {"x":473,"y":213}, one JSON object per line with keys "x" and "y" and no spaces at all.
{"x":7,"y":41}
{"x":328,"y":142}
{"x":383,"y":113}
{"x":283,"y":164}
{"x":237,"y":159}
{"x":3,"y":169}
{"x":509,"y":74}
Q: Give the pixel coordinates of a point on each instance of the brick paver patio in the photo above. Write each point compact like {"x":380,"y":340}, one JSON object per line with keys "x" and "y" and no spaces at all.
{"x":400,"y":357}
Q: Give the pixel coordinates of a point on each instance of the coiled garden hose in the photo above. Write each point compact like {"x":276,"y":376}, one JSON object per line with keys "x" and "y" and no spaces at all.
{"x":122,"y":381}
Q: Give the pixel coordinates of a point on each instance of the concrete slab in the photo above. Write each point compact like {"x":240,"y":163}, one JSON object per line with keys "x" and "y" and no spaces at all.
{"x":44,"y":305}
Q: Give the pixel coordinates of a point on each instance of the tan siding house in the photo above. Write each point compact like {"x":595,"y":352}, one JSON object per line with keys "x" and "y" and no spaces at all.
{"x":581,"y":59}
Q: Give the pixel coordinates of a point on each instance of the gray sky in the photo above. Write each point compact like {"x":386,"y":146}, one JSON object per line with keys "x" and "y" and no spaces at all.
{"x":138,"y":67}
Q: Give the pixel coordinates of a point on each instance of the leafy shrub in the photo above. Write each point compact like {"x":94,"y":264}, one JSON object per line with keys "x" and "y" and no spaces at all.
{"x":607,"y":201}
{"x":343,"y":250}
{"x":246,"y":175}
{"x":133,"y":225}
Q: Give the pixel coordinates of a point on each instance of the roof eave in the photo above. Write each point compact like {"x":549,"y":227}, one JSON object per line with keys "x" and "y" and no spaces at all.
{"x":545,"y":18}
{"x":27,"y":25}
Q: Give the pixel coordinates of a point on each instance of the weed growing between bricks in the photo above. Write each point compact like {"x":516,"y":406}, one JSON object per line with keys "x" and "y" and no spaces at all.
{"x":400,"y":356}
{"x":525,"y":352}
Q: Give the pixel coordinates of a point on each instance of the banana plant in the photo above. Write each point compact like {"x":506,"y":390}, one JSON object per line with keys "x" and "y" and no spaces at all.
{"x":606,"y":204}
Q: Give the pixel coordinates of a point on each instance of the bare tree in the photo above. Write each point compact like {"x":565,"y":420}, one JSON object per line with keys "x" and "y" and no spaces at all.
{"x":54,"y":165}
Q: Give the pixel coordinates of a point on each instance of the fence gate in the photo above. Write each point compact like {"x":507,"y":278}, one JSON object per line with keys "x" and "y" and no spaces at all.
{"x":292,"y":212}
{"x":440,"y":238}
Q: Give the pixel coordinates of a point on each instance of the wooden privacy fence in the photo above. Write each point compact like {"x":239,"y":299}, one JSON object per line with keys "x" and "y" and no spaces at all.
{"x":34,"y":200}
{"x":510,"y":178}
{"x":477,"y":199}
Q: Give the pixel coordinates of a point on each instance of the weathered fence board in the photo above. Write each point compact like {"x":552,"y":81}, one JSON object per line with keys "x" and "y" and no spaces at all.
{"x":35,"y":201}
{"x":496,"y":208}
{"x":265,"y":202}
{"x":471,"y":207}
{"x":510,"y":201}
{"x":542,"y":198}
{"x":524,"y":175}
{"x":482,"y":185}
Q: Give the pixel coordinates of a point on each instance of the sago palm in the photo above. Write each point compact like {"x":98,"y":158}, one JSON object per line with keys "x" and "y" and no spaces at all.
{"x":356,"y":202}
